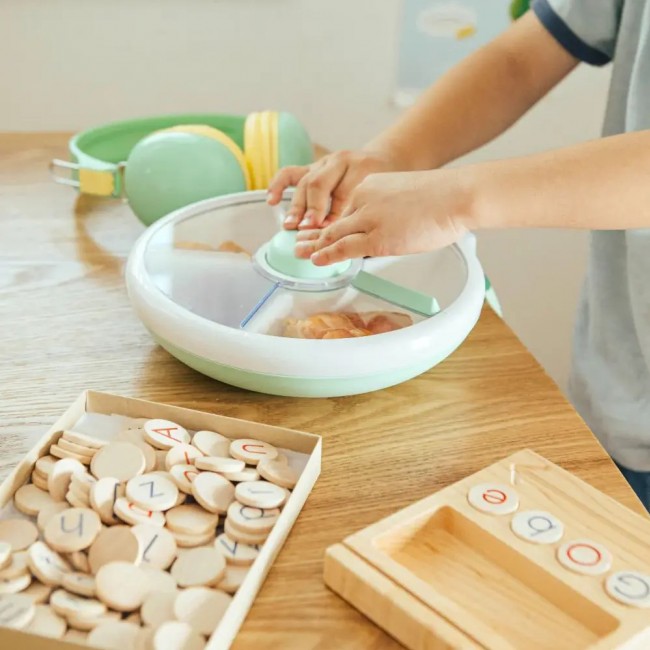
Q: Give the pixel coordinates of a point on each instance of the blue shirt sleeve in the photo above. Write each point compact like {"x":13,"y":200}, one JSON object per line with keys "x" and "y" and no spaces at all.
{"x":587,"y":29}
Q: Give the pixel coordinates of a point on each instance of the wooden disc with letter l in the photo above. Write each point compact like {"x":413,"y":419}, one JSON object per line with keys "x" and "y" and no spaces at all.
{"x":157,"y":545}
{"x":260,"y":494}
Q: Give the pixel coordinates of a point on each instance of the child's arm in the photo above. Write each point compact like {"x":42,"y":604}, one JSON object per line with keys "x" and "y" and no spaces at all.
{"x":602,"y":184}
{"x":479,"y":98}
{"x":473,"y":103}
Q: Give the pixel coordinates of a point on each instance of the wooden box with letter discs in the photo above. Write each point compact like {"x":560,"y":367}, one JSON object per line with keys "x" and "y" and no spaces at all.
{"x":521,"y":554}
{"x":136,"y":525}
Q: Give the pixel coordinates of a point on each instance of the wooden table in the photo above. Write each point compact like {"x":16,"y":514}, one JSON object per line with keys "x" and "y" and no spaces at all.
{"x":67,"y":326}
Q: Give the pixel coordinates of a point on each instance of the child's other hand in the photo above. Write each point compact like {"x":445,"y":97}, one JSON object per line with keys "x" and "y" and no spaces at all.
{"x":333,"y":177}
{"x":392,"y":214}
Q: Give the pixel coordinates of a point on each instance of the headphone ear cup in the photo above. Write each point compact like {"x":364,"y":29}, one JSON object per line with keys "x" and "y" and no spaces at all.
{"x":293,"y":142}
{"x":219,"y":136}
{"x":174,"y":167}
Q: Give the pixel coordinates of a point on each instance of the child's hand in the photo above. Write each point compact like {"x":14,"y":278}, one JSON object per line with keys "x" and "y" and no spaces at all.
{"x":333,"y":177}
{"x":392,"y":214}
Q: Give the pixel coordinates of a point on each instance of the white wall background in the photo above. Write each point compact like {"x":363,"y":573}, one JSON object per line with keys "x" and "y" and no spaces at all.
{"x":70,"y":64}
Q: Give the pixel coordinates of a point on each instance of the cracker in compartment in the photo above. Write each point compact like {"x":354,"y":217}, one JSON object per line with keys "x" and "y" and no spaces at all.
{"x":333,"y":325}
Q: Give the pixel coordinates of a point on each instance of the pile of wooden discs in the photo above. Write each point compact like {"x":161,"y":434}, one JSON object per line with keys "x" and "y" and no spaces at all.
{"x":138,"y":543}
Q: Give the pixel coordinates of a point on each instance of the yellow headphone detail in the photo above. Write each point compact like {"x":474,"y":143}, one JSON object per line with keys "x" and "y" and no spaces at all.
{"x":259,"y":159}
{"x":219,"y":136}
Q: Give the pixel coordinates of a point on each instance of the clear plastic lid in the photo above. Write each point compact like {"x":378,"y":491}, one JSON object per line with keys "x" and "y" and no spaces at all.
{"x":208,"y":263}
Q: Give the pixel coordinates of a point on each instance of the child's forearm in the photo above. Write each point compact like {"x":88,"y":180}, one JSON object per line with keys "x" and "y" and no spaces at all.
{"x":599,"y":185}
{"x":478,"y":99}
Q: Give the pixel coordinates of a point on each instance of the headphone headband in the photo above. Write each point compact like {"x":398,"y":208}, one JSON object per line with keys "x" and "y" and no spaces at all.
{"x":98,"y":155}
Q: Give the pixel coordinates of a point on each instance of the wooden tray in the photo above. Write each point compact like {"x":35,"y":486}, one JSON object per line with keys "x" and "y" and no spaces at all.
{"x":105,"y":403}
{"x":443,"y":574}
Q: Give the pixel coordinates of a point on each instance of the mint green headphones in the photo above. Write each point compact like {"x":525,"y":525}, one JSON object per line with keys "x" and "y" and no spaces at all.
{"x":163,"y":163}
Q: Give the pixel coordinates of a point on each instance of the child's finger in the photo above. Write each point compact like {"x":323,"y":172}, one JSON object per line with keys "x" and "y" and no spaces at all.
{"x":351,"y":225}
{"x":308,"y":235}
{"x":320,"y":185}
{"x":297,"y":208}
{"x":286,"y":177}
{"x":347,"y":248}
{"x":336,"y":208}
{"x":305,"y":249}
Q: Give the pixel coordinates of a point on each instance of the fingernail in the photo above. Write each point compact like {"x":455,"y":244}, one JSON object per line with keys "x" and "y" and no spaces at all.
{"x":291,"y":219}
{"x":308,"y":220}
{"x":303,"y":251}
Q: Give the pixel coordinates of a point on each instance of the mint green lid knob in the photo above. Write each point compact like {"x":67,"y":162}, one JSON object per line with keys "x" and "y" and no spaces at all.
{"x":282,"y":258}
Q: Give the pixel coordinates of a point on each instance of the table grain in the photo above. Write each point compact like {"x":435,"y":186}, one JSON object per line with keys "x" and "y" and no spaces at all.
{"x":67,"y":326}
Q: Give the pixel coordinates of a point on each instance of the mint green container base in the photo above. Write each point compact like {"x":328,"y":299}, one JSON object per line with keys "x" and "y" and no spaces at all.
{"x":297,"y":386}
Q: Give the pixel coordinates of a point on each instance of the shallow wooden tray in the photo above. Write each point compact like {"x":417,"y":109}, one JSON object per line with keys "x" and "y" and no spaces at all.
{"x":108,"y":404}
{"x":442,"y":574}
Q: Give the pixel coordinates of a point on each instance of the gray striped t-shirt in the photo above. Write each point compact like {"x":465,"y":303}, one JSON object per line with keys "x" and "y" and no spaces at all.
{"x":610,"y":378}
